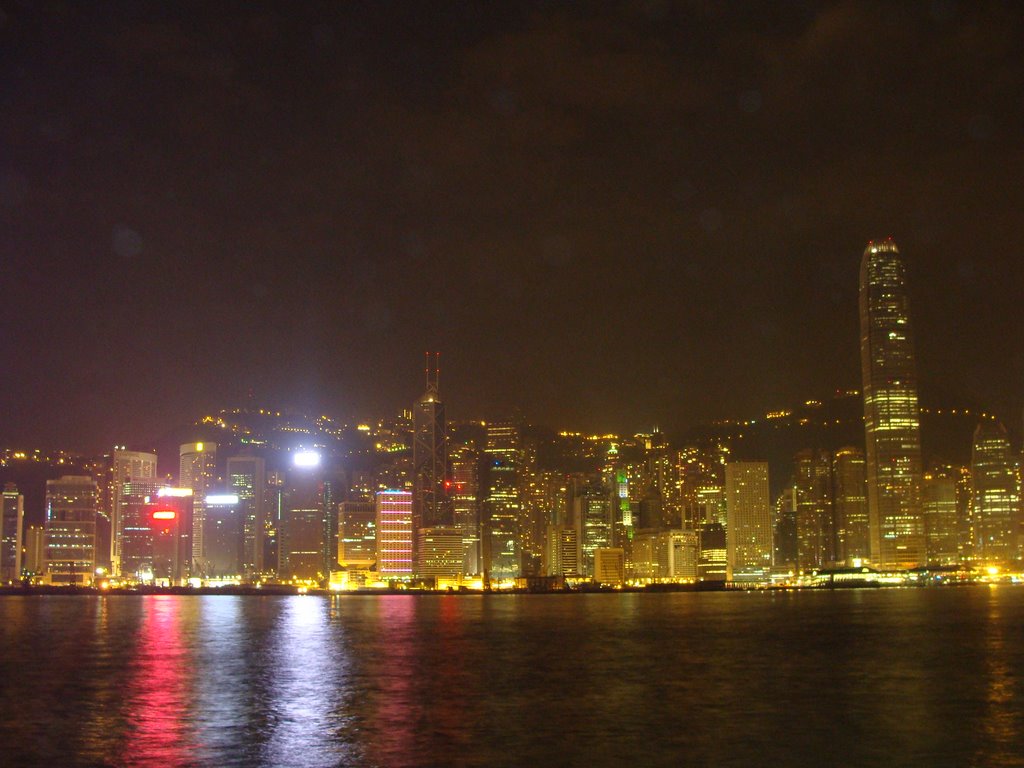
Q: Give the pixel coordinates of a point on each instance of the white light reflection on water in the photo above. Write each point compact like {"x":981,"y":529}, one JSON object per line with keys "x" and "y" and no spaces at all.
{"x":308,"y":696}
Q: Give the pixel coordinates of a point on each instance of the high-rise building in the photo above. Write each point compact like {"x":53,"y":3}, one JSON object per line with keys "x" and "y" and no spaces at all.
{"x":562,"y":554}
{"x":609,"y":566}
{"x":592,"y":512}
{"x":138,"y":502}
{"x":357,"y":534}
{"x":170,"y":515}
{"x":197,"y":469}
{"x":713,"y":564}
{"x":247,"y":479}
{"x":465,"y":480}
{"x":502,"y":503}
{"x":127,"y":466}
{"x":439,"y":553}
{"x":891,"y":414}
{"x":749,"y":527}
{"x":394,"y":534}
{"x":940,"y":516}
{"x":814,"y":523}
{"x":665,"y":555}
{"x":304,"y":529}
{"x":430,"y":457}
{"x":12,"y":519}
{"x":785,"y":529}
{"x":33,"y":562}
{"x":849,"y":484}
{"x":995,"y":491}
{"x":223,"y":535}
{"x":71,"y":530}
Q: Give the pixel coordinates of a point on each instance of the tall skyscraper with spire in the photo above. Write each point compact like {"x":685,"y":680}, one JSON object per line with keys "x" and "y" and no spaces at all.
{"x":891,"y":414}
{"x":430,"y":455}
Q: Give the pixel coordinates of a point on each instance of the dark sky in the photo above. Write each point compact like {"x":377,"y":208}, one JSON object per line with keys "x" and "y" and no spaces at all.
{"x":605,"y":215}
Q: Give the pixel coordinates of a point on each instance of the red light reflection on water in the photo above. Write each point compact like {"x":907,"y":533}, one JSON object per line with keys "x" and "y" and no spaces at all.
{"x":397,"y":712}
{"x":157,"y":694}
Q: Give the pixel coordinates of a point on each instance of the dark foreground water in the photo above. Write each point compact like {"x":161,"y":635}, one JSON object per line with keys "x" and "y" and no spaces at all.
{"x":889,"y":677}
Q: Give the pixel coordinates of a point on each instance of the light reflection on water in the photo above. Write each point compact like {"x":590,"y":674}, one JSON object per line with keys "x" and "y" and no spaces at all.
{"x":881,"y":677}
{"x":157,"y":696}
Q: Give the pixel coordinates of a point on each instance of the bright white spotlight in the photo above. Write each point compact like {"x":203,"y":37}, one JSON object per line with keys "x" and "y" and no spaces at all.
{"x":306,"y":459}
{"x":222,"y":499}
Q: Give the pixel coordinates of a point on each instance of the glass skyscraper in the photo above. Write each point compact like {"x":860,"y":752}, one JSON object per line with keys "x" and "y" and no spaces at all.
{"x":891,"y":416}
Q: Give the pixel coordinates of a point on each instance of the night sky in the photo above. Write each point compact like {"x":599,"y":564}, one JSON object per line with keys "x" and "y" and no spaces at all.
{"x":604,"y":215}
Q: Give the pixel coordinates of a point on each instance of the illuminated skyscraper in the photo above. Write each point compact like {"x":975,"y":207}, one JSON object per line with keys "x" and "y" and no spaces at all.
{"x":11,"y":522}
{"x":304,"y":534}
{"x":429,"y":457}
{"x":465,"y":484}
{"x":502,"y":503}
{"x":749,"y":527}
{"x":357,"y":534}
{"x":940,"y":515}
{"x":891,"y":417}
{"x":223,"y":535}
{"x":439,"y":553}
{"x":138,"y":501}
{"x":71,"y":530}
{"x":592,"y":512}
{"x":995,"y":489}
{"x":34,"y":560}
{"x":198,"y":471}
{"x":562,"y":553}
{"x":127,"y":466}
{"x":814,"y":524}
{"x":853,"y":540}
{"x":247,"y":478}
{"x":394,"y":534}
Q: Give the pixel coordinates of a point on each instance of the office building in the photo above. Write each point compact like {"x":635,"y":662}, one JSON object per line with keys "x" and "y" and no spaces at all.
{"x":592,"y":512}
{"x":995,"y":492}
{"x":940,"y":516}
{"x":138,"y":501}
{"x":12,"y":521}
{"x":439,"y":553}
{"x":849,"y":483}
{"x":394,"y":535}
{"x":609,"y":566}
{"x":502,"y":453}
{"x":247,"y":479}
{"x":749,"y":525}
{"x":562,"y":553}
{"x":126,"y":466}
{"x":357,"y":534}
{"x":891,"y":414}
{"x":33,"y":562}
{"x":713,"y":565}
{"x":71,"y":530}
{"x":223,"y":536}
{"x":463,"y":464}
{"x":814,"y":521}
{"x":665,"y":556}
{"x":304,"y":535}
{"x":197,"y":469}
{"x":431,"y":507}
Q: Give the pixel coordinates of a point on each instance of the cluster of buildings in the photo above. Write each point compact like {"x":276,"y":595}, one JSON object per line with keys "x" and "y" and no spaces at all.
{"x":498,"y":504}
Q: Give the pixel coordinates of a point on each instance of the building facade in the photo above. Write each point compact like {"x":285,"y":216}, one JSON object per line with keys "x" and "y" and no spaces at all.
{"x":891,"y":413}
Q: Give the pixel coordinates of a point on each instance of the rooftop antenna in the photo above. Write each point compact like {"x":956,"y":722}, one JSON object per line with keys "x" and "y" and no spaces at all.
{"x":437,"y":371}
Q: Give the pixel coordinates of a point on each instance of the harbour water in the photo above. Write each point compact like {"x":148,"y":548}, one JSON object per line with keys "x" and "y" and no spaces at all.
{"x":902,"y":677}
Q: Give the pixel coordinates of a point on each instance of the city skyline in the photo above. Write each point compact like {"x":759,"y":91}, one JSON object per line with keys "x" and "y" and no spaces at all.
{"x":320,"y":195}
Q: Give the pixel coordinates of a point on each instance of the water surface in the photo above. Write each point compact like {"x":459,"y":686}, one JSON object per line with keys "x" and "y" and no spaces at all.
{"x":872,"y":677}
